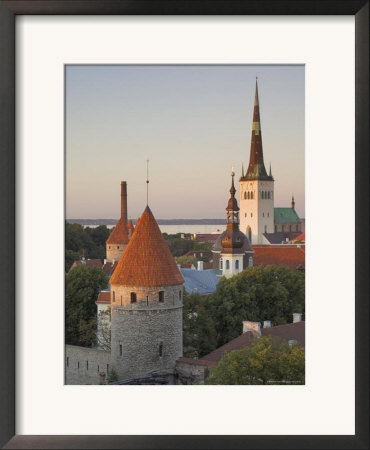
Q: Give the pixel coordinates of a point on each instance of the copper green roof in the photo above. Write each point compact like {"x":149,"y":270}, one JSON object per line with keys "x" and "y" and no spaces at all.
{"x":285,"y":215}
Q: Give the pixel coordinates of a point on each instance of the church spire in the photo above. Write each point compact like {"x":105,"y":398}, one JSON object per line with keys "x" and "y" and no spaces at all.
{"x":270,"y":173}
{"x":242,"y":170}
{"x":256,"y":169}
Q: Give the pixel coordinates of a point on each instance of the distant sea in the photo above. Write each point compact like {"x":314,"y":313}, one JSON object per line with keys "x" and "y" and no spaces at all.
{"x":195,"y":226}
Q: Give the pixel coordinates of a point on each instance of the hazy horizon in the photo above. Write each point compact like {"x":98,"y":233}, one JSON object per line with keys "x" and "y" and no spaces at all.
{"x":192,"y":123}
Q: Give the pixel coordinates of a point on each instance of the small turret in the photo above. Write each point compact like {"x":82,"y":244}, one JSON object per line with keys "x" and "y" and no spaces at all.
{"x":293,"y":202}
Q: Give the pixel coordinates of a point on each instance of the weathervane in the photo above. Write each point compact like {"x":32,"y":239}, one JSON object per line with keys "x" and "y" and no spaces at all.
{"x":147,"y":182}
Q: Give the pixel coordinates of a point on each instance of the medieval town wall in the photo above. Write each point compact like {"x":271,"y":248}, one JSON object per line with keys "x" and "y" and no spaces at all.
{"x":85,"y":365}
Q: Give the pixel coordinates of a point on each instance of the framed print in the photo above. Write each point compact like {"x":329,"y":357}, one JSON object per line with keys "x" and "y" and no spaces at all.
{"x":62,"y":60}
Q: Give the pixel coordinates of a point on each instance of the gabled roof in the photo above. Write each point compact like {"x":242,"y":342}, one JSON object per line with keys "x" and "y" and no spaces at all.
{"x":119,"y":235}
{"x":285,"y":215}
{"x":291,"y":331}
{"x":281,"y":237}
{"x":103,"y":297}
{"x":290,"y":256}
{"x":88,"y":263}
{"x":147,"y":260}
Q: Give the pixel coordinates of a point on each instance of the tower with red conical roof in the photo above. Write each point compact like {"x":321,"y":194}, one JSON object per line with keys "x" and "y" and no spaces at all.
{"x":146,"y":304}
{"x":256,"y":187}
{"x":119,"y":237}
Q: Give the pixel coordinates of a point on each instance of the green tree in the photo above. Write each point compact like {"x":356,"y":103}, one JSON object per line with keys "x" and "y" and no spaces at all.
{"x":199,"y":337}
{"x":267,"y":361}
{"x":83,"y":285}
{"x":258,"y":293}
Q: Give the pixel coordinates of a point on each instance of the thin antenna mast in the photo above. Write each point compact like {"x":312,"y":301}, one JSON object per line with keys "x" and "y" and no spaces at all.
{"x":147,"y":182}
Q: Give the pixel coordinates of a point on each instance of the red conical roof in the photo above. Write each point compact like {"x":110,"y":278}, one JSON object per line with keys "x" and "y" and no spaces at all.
{"x":147,"y":260}
{"x":119,"y":235}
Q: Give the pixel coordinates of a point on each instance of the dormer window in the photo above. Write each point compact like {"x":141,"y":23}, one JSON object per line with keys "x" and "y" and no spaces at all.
{"x":133,"y":297}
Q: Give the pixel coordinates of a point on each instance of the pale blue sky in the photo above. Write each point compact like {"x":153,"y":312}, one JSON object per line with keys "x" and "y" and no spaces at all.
{"x":191,"y":122}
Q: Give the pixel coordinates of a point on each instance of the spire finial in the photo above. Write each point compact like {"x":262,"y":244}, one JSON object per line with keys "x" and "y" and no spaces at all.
{"x":147,"y":182}
{"x":242,"y":170}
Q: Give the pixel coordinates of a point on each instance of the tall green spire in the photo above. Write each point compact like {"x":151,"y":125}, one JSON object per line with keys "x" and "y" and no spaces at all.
{"x":270,"y":174}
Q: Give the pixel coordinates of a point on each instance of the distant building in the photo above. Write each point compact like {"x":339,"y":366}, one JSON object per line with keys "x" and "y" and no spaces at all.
{"x":196,"y":371}
{"x":258,"y":216}
{"x":120,"y":236}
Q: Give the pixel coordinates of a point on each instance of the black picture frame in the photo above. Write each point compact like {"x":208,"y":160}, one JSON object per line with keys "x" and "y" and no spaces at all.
{"x":8,"y":12}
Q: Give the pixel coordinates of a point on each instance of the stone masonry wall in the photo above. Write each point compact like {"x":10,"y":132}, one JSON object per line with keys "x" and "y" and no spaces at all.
{"x":146,"y":335}
{"x":114,"y":251}
{"x":85,"y":365}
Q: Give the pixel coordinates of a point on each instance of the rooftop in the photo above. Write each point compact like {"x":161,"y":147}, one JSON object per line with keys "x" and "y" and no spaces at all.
{"x":147,"y":260}
{"x":119,"y":235}
{"x":285,"y":215}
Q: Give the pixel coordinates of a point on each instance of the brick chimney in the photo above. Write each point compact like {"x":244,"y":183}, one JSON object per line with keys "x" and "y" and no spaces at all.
{"x":255,"y":327}
{"x":124,"y":201}
{"x":297,"y":317}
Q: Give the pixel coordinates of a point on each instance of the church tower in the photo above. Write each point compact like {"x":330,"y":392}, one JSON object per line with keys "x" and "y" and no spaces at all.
{"x":146,"y":304}
{"x":256,"y":188}
{"x":119,"y":237}
{"x":235,"y":244}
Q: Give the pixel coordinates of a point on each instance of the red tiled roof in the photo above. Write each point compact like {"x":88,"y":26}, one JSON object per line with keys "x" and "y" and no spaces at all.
{"x":88,"y":263}
{"x":291,"y":331}
{"x":147,"y":260}
{"x":119,"y":235}
{"x":108,"y":268}
{"x":204,"y":237}
{"x":201,"y":362}
{"x":242,"y":341}
{"x":301,"y":238}
{"x":290,"y":256}
{"x":103,"y":297}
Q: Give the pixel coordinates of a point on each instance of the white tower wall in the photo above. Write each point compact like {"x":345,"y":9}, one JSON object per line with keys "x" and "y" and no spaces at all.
{"x":256,"y":212}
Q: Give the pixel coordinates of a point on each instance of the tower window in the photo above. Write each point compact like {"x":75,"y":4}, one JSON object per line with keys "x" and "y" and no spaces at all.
{"x":120,"y":349}
{"x":245,"y":215}
{"x":245,"y":196}
{"x":268,"y":214}
{"x":161,"y":296}
{"x":268,"y":194}
{"x":263,"y":195}
{"x":227,"y":264}
{"x":133,"y":297}
{"x":180,"y":294}
{"x":78,"y":364}
{"x":237,"y":264}
{"x":117,"y":247}
{"x":160,"y":350}
{"x":249,"y":195}
{"x":87,"y":365}
{"x":265,"y":228}
{"x":263,"y":214}
{"x":251,"y":214}
{"x":114,"y":296}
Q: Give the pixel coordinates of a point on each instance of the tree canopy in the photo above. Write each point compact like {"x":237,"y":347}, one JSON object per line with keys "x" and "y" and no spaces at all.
{"x":79,"y":240}
{"x":199,"y":336}
{"x":258,"y":293}
{"x":83,"y":285}
{"x":267,"y":361}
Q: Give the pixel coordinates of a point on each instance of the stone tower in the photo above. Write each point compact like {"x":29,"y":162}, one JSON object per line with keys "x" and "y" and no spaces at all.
{"x":146,"y":304}
{"x":119,"y":237}
{"x":256,"y":187}
{"x":235,"y":244}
